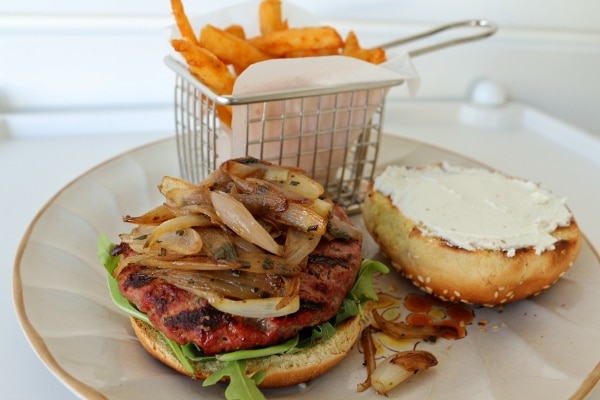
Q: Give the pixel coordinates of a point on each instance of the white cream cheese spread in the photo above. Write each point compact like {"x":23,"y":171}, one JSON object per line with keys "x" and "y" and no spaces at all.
{"x":474,"y":208}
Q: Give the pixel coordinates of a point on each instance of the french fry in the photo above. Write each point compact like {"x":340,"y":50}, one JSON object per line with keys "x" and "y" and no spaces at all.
{"x":236,"y":30}
{"x":230,"y":49}
{"x":205,"y":66}
{"x":351,"y":44}
{"x":225,"y":114}
{"x":312,"y":53}
{"x":284,"y":42}
{"x":183,"y":23}
{"x":352,"y":49}
{"x":269,"y":15}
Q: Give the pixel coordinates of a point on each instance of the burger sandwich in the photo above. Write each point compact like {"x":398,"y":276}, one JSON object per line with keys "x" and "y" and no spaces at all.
{"x":251,"y":276}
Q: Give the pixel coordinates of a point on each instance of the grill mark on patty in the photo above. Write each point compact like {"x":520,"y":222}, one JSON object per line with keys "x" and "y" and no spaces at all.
{"x":137,"y":281}
{"x":206,"y":318}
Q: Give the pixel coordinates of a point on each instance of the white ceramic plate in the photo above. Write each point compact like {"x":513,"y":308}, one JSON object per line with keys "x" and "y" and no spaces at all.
{"x":545,"y":347}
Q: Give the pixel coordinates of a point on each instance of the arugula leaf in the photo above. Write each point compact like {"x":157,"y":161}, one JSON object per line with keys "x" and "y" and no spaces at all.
{"x":362,"y":291}
{"x":282,"y":348}
{"x":348,"y":309}
{"x":105,"y":246}
{"x":241,"y":386}
{"x":192,"y":352}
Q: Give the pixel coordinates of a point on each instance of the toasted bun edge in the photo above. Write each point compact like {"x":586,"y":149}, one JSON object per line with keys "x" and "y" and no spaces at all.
{"x":282,"y":370}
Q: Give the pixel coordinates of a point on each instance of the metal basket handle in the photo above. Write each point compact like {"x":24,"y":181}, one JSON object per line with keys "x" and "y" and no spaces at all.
{"x":490,"y":29}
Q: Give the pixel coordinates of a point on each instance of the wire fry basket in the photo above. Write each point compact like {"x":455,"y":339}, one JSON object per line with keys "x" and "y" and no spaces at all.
{"x":341,"y":147}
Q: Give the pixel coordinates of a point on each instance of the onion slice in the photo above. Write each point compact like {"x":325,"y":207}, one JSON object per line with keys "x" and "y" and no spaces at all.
{"x":234,"y":294}
{"x":398,"y":367}
{"x":263,"y":263}
{"x":191,"y":263}
{"x":304,"y":185}
{"x":242,"y":222}
{"x":303,"y":218}
{"x":298,"y":245}
{"x":169,"y":183}
{"x":175,"y":225}
{"x":401,"y":330}
{"x":181,"y":197}
{"x":257,"y":308}
{"x":368,"y":346}
{"x":227,"y":283}
{"x":155,"y":216}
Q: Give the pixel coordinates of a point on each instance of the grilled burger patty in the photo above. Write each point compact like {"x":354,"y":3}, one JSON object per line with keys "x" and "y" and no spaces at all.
{"x":184,"y":317}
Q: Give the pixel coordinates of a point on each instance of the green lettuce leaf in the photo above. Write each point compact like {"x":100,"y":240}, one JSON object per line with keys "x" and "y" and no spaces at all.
{"x":241,"y":386}
{"x":362,"y":291}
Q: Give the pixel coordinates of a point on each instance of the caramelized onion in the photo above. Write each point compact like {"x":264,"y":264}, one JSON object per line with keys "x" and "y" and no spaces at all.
{"x":298,"y":245}
{"x":181,"y":197}
{"x":232,"y":284}
{"x":262,"y":263}
{"x":398,"y":367}
{"x":401,"y":330}
{"x":155,"y":216}
{"x":250,"y":295}
{"x":137,"y":238}
{"x":322,"y":207}
{"x":191,"y":263}
{"x":220,"y":239}
{"x":281,"y":191}
{"x":238,"y":219}
{"x":169,"y":183}
{"x":257,"y":308}
{"x":340,"y":229}
{"x":237,"y":169}
{"x":190,"y":243}
{"x":369,"y":350}
{"x":303,"y":218}
{"x":218,"y":243}
{"x":303,"y":185}
{"x":262,"y":204}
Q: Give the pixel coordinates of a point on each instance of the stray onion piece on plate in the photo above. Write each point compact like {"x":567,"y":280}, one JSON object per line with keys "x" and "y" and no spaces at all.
{"x":394,"y":369}
{"x":398,"y":367}
{"x":430,"y":333}
{"x":368,"y":346}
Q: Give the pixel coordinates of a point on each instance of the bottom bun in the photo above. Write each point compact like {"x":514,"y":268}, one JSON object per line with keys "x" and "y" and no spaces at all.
{"x":484,"y":277}
{"x":281,"y":370}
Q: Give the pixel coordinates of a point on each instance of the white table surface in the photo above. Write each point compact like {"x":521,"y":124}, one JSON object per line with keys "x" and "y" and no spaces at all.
{"x":519,"y":142}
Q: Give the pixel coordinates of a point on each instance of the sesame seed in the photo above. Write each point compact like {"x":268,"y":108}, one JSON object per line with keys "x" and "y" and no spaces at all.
{"x":420,"y":278}
{"x":456,"y":293}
